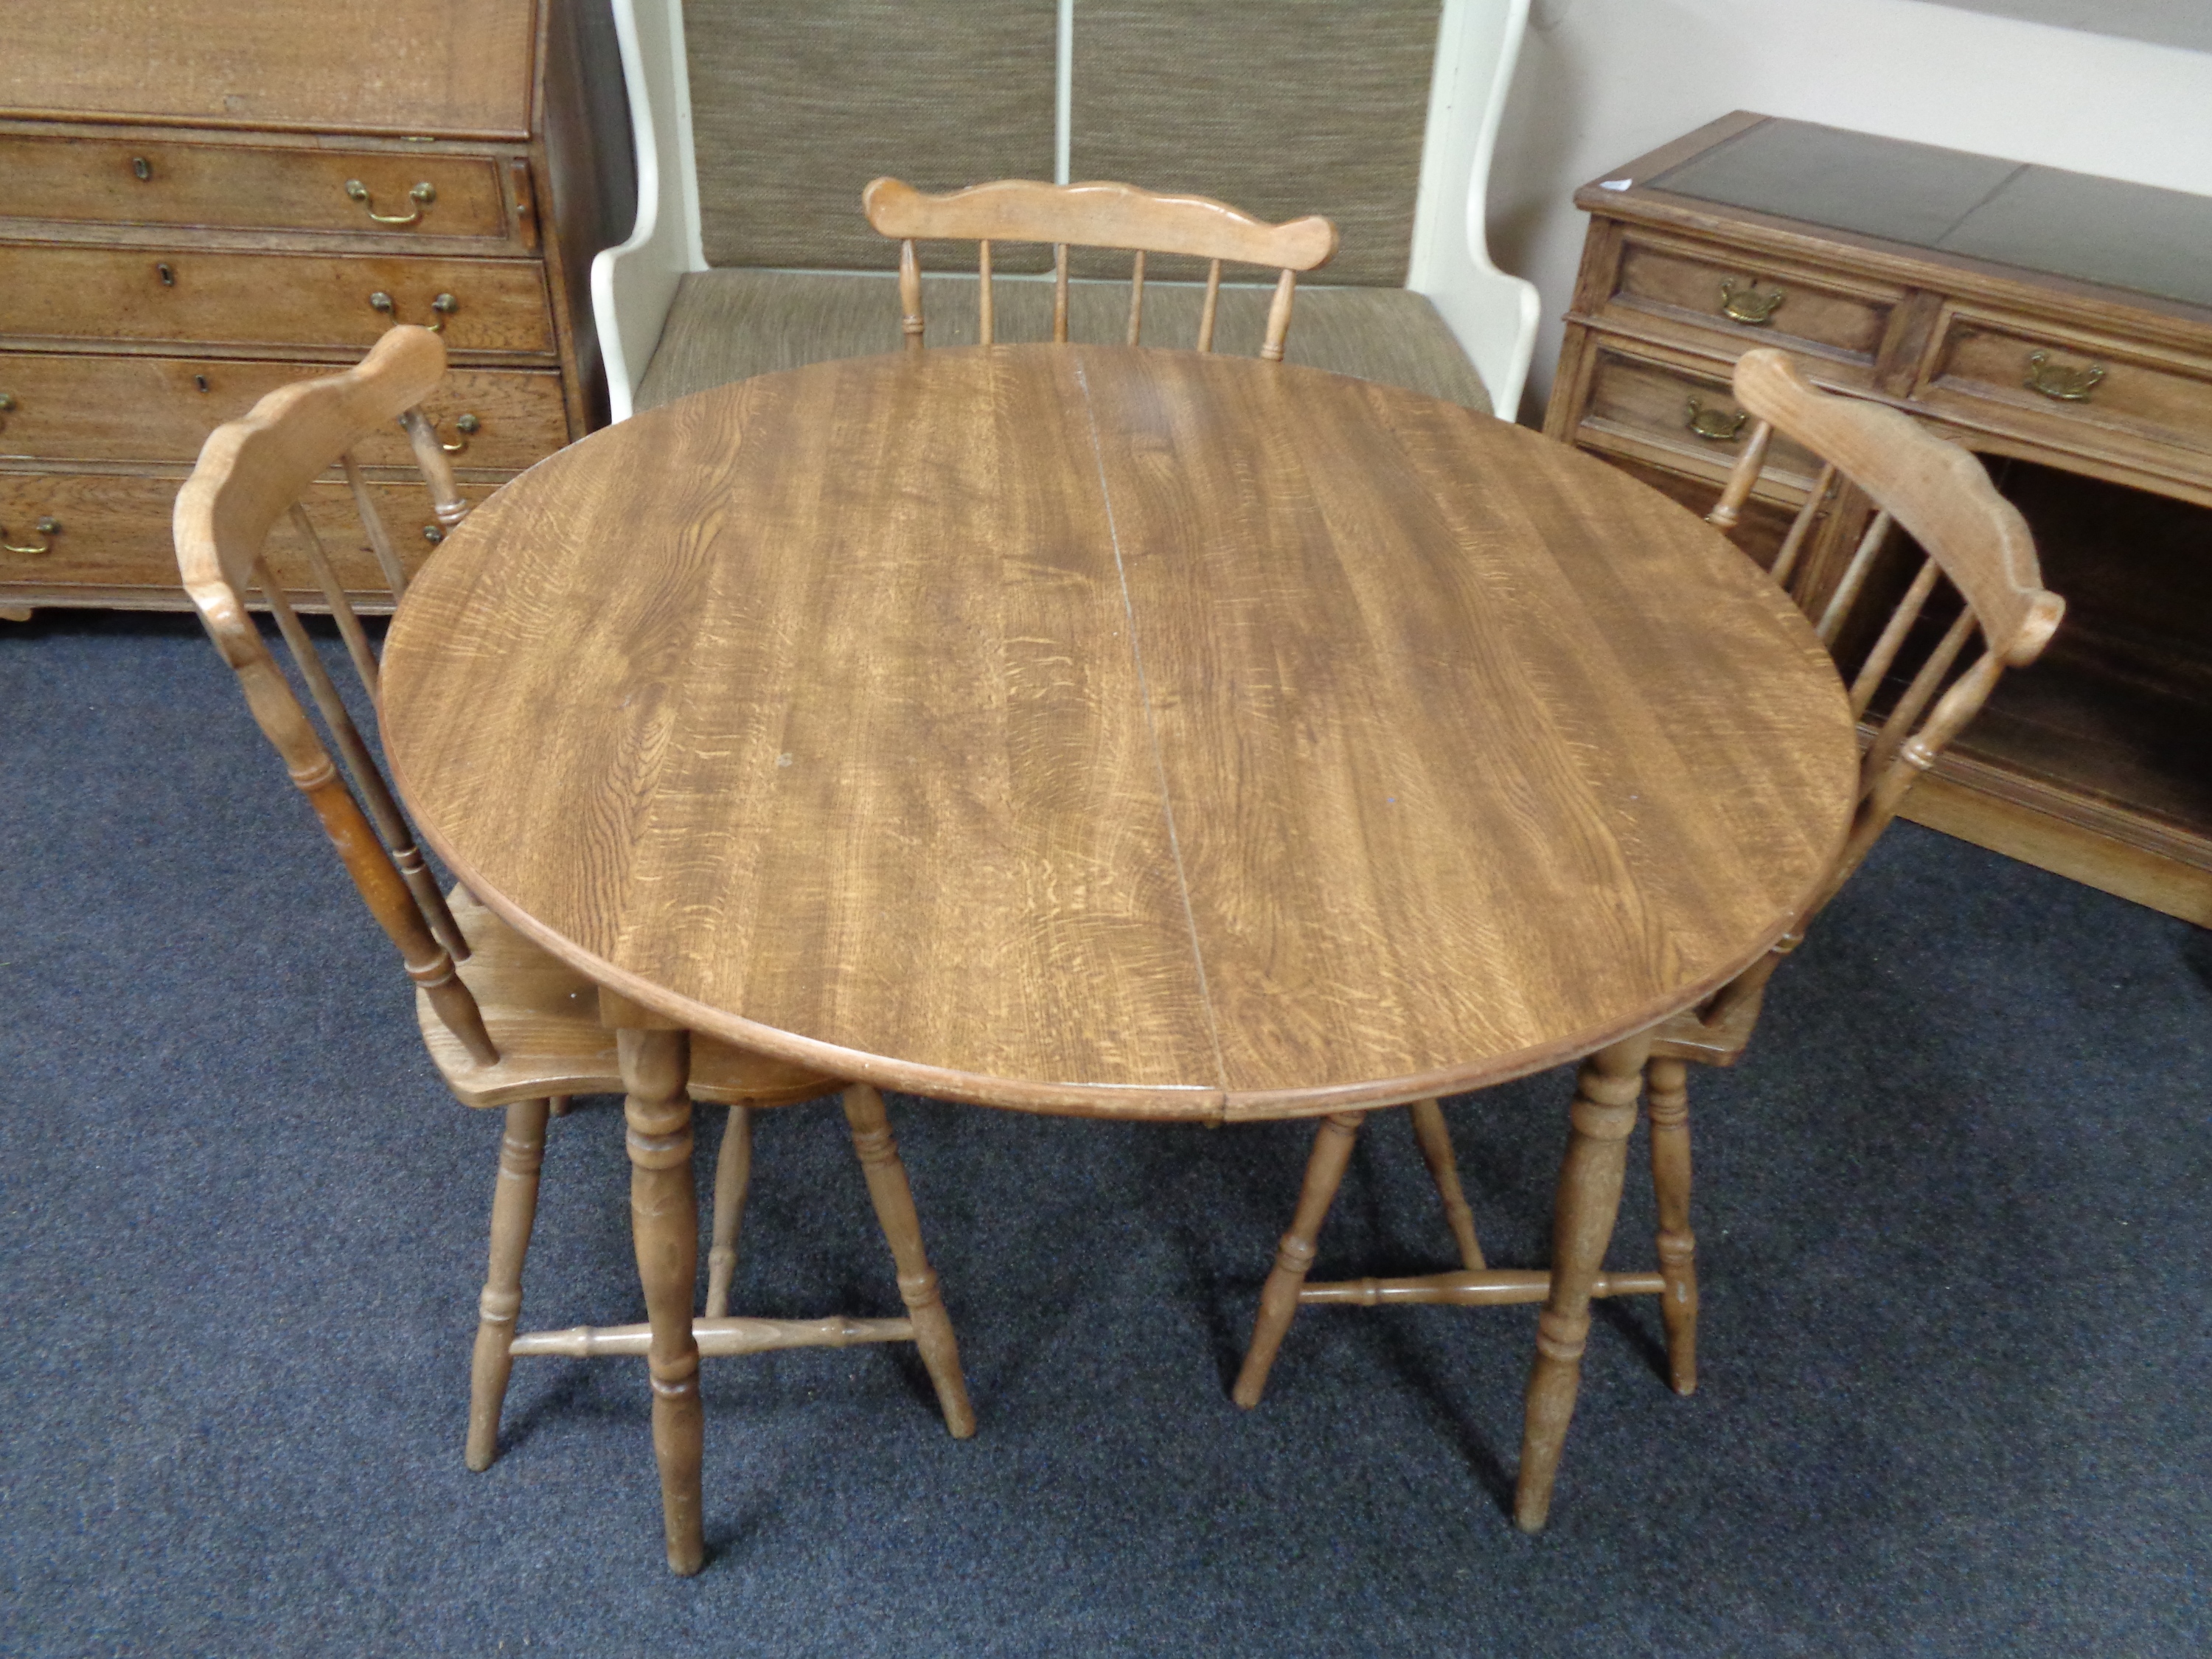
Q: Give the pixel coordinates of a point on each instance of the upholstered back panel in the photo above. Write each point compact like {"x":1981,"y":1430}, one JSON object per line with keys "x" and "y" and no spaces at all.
{"x":796,"y":104}
{"x":1280,"y":107}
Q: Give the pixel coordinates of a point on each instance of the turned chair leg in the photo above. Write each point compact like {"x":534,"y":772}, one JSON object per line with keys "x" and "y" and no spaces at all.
{"x":664,"y":1225}
{"x":1678,"y":1247}
{"x":734,"y":1171}
{"x":1278,"y":1297}
{"x":1434,"y":1137}
{"x":1603,"y":1114}
{"x":894,"y":1200}
{"x":514,"y":1208}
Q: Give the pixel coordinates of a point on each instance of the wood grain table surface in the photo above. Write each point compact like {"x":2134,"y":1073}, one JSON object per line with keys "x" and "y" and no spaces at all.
{"x":1118,"y":732}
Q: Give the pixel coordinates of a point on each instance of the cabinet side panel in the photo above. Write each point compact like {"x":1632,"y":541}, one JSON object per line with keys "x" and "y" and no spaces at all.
{"x":406,"y":66}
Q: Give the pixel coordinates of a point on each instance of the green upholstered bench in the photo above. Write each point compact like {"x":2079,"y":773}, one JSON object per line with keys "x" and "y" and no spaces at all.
{"x":759,"y":121}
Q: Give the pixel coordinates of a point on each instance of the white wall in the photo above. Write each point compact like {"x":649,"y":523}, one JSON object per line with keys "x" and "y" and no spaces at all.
{"x":1611,"y":79}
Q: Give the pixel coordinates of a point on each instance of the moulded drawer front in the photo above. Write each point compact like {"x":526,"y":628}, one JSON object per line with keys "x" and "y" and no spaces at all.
{"x":2015,"y":370}
{"x":238,"y":186}
{"x":114,"y":531}
{"x":69,"y":408}
{"x":67,"y":292}
{"x":1711,"y":289}
{"x":1671,"y":416}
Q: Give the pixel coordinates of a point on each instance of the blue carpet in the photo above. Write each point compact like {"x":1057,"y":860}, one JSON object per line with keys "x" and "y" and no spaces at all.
{"x":1952,"y":1220}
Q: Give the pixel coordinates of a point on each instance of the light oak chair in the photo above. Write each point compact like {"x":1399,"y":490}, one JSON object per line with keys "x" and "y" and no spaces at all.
{"x":507,"y":1024}
{"x":1979,"y":574}
{"x":756,"y":124}
{"x":1103,"y":216}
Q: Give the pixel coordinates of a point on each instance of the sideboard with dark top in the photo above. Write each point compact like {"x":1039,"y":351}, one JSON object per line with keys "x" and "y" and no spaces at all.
{"x":2059,"y":324}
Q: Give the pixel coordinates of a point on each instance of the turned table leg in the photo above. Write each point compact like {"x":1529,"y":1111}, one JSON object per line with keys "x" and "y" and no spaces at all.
{"x":1278,"y":1297}
{"x":893,"y":1196}
{"x":733,"y":1173}
{"x":1434,"y":1136}
{"x":1603,"y":1114}
{"x":665,"y":1223}
{"x":1677,"y":1247}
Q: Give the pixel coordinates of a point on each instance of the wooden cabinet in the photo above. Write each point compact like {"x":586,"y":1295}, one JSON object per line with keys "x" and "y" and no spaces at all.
{"x":201,"y":200}
{"x":2073,"y":349}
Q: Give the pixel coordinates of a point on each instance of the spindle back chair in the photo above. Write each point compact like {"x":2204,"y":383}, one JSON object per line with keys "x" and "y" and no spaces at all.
{"x":1108,"y":216}
{"x":1978,"y":547}
{"x":250,"y":473}
{"x":506,"y":1024}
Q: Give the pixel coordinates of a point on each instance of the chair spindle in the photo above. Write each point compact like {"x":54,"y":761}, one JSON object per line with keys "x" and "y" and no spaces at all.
{"x":1137,"y":299}
{"x":1898,"y":727}
{"x":372,"y":521}
{"x":1742,"y":477}
{"x":350,"y":629}
{"x":1213,"y":304}
{"x":383,"y":810}
{"x":1278,"y":318}
{"x":910,"y":294}
{"x":437,"y":470}
{"x":985,"y":317}
{"x":1059,"y":294}
{"x":1800,"y":528}
{"x":1892,"y":636}
{"x":1854,"y":575}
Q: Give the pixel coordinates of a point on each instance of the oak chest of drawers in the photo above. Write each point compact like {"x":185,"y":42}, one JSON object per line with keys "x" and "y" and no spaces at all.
{"x":201,"y":200}
{"x":2059,"y":324}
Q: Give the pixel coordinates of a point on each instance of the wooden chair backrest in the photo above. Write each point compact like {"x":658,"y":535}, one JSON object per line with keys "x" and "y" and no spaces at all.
{"x":250,"y":473}
{"x":1974,"y":539}
{"x":1108,"y":215}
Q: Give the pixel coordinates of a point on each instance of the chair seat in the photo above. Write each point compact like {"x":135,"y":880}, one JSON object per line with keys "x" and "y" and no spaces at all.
{"x":732,"y":324}
{"x":544,"y":1018}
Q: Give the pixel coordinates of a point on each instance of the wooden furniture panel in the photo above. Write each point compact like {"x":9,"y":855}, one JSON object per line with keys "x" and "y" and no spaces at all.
{"x":67,"y":407}
{"x":114,"y":532}
{"x":1687,"y":418}
{"x":2065,"y":388}
{"x":79,"y":293}
{"x":1767,"y":301}
{"x":2089,"y":764}
{"x":398,"y":66}
{"x":202,"y":199}
{"x":134,"y":181}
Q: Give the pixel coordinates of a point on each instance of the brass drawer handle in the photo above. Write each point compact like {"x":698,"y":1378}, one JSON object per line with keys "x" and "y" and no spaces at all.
{"x":167,"y":272}
{"x":1717,"y":425}
{"x":1746,"y":304}
{"x":141,"y":168}
{"x":468,"y":426}
{"x":444,"y":305}
{"x":422,"y":196}
{"x":2067,"y":385}
{"x":432,"y":534}
{"x":47,"y":527}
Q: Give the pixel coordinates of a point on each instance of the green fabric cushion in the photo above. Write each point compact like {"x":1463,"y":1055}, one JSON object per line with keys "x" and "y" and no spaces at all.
{"x":796,"y":104}
{"x":729,"y":324}
{"x":1279,"y":107}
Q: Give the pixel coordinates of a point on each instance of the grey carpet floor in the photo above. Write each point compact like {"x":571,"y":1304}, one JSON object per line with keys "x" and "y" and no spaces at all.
{"x":1954,"y":1236}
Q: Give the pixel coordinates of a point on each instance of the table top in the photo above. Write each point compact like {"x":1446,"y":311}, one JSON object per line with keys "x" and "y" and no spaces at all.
{"x":1120,"y":731}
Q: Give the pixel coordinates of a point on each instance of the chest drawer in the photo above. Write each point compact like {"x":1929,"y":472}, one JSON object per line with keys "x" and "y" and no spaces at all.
{"x":114,"y":532}
{"x":2071,"y":388}
{"x":1685,"y":420}
{"x":247,"y":187}
{"x":64,"y":407}
{"x":65,"y":292}
{"x":1713,"y":298}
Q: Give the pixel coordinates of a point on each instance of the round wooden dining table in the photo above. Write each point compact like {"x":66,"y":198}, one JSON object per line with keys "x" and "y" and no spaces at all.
{"x":1121,"y":732}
